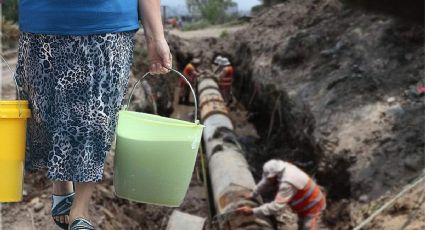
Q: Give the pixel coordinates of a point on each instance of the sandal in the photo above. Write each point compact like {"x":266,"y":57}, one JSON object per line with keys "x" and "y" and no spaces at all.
{"x":61,"y":206}
{"x":81,"y":224}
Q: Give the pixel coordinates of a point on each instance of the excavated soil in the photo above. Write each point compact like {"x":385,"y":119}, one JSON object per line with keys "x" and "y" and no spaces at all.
{"x":331,"y":89}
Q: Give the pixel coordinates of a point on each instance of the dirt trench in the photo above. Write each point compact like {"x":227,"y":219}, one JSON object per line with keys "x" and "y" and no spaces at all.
{"x":331,"y":89}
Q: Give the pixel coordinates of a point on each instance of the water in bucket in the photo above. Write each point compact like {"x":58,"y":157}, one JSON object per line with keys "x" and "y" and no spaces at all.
{"x":13,"y":124}
{"x":155,"y":157}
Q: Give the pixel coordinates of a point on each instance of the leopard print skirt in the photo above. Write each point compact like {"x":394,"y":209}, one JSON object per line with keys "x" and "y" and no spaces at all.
{"x":75,"y":86}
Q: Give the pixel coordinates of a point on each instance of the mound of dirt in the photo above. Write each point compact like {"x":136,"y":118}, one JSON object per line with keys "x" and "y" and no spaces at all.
{"x":412,"y":10}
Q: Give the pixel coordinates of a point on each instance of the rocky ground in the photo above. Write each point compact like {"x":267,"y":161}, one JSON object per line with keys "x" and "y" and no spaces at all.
{"x":212,"y":32}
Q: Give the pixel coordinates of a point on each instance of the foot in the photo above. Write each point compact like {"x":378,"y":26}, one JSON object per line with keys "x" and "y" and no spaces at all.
{"x":62,"y":198}
{"x":80,"y":223}
{"x":80,"y":207}
{"x":77,"y":216}
{"x":61,"y":206}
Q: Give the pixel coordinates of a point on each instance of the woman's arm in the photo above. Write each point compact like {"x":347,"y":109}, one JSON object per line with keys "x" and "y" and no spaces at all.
{"x":158,"y":50}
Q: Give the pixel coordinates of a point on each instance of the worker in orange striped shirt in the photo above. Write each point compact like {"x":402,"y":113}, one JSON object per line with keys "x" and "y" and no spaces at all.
{"x":225,"y":78}
{"x":191,"y":72}
{"x":294,"y":188}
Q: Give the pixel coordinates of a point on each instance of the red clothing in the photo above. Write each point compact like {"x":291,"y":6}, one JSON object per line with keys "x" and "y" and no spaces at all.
{"x":227,"y":77}
{"x":189,"y":73}
{"x":225,"y":83}
{"x":173,"y":22}
{"x":309,"y":201}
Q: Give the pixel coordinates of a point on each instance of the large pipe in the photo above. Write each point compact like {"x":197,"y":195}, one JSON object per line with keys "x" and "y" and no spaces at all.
{"x":209,"y":91}
{"x":211,"y":125}
{"x":228,"y":169}
{"x":212,"y":107}
{"x":207,"y":83}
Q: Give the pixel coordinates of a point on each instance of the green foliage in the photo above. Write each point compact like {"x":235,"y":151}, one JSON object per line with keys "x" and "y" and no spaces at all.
{"x":213,"y":11}
{"x":233,"y":22}
{"x":224,"y":34}
{"x":10,"y":10}
{"x":266,"y":3}
{"x":257,"y":9}
{"x":202,"y":24}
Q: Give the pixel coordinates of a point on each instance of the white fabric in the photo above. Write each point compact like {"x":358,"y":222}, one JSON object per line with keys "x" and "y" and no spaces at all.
{"x":273,"y":167}
{"x":268,"y":209}
{"x":224,"y":61}
{"x":274,"y":207}
{"x":295,"y":176}
{"x":290,"y":179}
{"x":217,"y":60}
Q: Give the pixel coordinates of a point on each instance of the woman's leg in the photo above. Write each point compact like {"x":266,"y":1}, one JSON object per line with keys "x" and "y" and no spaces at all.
{"x":62,"y":188}
{"x":80,"y":207}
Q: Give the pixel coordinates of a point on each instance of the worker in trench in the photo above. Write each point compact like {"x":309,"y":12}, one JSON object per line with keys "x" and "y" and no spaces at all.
{"x":191,"y":72}
{"x":224,"y":71}
{"x":294,"y":188}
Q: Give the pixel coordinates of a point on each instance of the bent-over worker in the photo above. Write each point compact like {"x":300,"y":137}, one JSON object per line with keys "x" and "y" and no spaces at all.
{"x":294,"y":188}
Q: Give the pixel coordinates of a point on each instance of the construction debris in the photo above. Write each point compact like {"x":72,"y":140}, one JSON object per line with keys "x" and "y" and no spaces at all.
{"x":183,"y":221}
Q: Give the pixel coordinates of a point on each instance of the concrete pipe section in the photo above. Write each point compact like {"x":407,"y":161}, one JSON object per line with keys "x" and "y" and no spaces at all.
{"x":229,"y":171}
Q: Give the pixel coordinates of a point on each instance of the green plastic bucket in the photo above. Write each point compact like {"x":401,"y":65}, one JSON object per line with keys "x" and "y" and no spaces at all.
{"x":155,"y":156}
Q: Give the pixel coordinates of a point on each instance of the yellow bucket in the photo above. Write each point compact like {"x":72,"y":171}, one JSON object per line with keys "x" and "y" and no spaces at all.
{"x":13,"y":125}
{"x":13,"y":130}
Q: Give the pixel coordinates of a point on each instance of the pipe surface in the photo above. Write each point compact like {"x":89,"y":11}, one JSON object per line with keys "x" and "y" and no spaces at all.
{"x":230,"y":177}
{"x":209,"y":91}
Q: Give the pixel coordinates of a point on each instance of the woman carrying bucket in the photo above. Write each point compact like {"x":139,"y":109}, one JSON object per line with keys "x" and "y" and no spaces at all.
{"x":73,"y":67}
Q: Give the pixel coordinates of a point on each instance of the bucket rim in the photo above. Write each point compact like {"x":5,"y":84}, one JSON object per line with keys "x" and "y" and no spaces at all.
{"x":13,"y":102}
{"x":131,"y":114}
{"x":148,"y":202}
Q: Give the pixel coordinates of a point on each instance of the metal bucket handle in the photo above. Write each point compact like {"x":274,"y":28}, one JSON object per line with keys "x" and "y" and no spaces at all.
{"x":16,"y":84}
{"x":180,"y":75}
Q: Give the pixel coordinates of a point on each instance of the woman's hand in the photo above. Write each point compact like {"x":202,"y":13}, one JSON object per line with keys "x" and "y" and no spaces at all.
{"x":159,"y":56}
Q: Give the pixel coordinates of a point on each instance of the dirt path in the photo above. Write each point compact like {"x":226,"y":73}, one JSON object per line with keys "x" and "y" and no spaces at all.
{"x":1,"y":219}
{"x":215,"y":31}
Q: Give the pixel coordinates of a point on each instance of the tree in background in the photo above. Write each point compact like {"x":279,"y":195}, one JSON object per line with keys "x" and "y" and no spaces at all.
{"x":10,"y":10}
{"x":214,"y":11}
{"x":271,"y":2}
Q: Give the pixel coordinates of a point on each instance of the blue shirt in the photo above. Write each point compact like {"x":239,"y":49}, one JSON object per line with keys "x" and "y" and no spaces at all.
{"x":77,"y":17}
